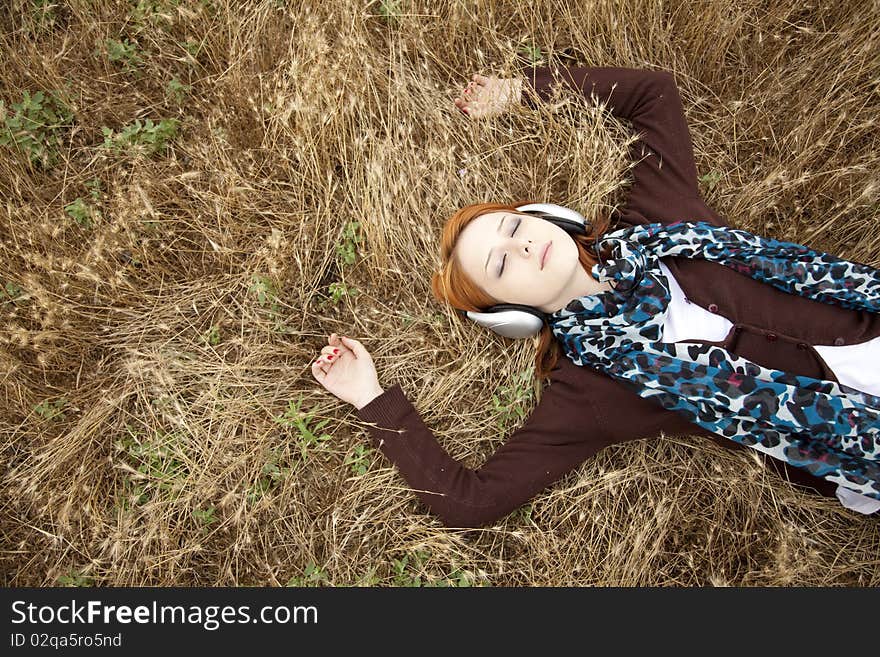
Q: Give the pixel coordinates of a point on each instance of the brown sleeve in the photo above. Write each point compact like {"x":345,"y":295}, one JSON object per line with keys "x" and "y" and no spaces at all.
{"x":651,"y":101}
{"x":579,"y":413}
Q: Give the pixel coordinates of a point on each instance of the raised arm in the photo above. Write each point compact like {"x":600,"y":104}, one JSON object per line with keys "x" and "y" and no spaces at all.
{"x":581,"y":412}
{"x":650,"y":100}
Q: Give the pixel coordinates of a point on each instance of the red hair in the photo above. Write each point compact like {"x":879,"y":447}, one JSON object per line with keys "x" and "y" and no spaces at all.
{"x":451,"y":285}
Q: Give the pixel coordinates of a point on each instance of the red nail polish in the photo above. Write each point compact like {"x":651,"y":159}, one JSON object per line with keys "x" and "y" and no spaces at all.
{"x":336,"y":351}
{"x":329,"y":357}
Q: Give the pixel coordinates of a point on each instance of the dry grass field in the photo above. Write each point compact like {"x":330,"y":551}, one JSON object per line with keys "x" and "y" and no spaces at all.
{"x":195,"y":194}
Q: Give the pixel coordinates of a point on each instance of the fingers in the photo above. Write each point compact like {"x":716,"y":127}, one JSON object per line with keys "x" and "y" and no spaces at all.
{"x":356,"y":347}
{"x":480,"y":79}
{"x":318,"y":371}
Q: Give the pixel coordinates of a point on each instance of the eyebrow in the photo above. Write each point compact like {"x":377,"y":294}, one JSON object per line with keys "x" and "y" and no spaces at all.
{"x":497,"y":230}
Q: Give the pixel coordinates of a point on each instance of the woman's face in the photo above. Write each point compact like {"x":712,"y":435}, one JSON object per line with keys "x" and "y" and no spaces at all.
{"x":501,"y":252}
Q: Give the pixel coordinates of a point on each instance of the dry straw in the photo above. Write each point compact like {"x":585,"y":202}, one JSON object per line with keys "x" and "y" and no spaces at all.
{"x":160,"y":424}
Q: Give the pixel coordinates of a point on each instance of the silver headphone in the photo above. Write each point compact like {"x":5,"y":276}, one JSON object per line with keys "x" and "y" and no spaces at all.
{"x":514,"y":320}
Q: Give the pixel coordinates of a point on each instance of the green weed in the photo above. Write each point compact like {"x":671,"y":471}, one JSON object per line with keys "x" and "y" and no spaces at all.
{"x":360,"y":460}
{"x":82,"y":212}
{"x":407,"y":572}
{"x":177,"y":90}
{"x":307,"y":437}
{"x":510,"y":403}
{"x":314,"y":575}
{"x":159,"y":462}
{"x":36,"y":126}
{"x":347,"y":251}
{"x":94,"y":186}
{"x":42,"y":17}
{"x":265,"y":291}
{"x":212,"y":335}
{"x":390,"y":10}
{"x":51,"y":410}
{"x":73,"y":578}
{"x":10,"y":293}
{"x":145,"y":138}
{"x":531,"y":52}
{"x":711,"y":179}
{"x":271,"y":475}
{"x":124,"y":52}
{"x":193,"y":48}
{"x":205,"y":517}
{"x":523,"y":514}
{"x":338,"y":290}
{"x":153,"y":14}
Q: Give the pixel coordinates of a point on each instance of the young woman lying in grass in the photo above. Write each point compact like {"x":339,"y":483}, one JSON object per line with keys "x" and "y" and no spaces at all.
{"x":670,"y":323}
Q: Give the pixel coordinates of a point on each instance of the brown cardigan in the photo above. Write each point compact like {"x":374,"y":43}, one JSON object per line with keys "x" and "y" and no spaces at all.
{"x":582,"y":410}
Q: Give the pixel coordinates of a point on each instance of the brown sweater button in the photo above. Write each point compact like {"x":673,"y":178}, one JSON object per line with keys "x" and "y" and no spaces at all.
{"x":801,"y":345}
{"x":771,"y":337}
{"x":838,"y":342}
{"x":713,"y":308}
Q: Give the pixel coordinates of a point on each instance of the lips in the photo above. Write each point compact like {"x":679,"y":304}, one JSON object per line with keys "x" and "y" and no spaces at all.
{"x":544,"y":252}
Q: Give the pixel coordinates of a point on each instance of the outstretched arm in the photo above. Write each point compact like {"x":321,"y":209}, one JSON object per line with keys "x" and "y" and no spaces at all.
{"x":651,"y":101}
{"x":580,"y":413}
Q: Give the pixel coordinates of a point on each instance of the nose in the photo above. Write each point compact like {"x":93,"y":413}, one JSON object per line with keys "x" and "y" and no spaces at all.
{"x":518,"y":244}
{"x":524,"y":248}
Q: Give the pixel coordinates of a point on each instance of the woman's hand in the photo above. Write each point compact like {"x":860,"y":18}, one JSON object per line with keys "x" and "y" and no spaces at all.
{"x":346,"y":369}
{"x":489,"y":96}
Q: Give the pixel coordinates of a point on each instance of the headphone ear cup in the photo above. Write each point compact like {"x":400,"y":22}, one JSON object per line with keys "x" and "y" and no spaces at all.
{"x":510,"y":320}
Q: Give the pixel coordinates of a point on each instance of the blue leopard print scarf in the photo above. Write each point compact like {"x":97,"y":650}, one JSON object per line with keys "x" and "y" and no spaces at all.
{"x":827,"y":428}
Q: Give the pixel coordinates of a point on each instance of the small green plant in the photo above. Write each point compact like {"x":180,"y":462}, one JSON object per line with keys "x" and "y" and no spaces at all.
{"x":124,"y":52}
{"x":510,"y":403}
{"x":360,"y":460}
{"x":81,"y":212}
{"x":159,"y":462}
{"x":205,"y":517}
{"x":10,"y":293}
{"x":94,"y":187}
{"x":153,"y":14}
{"x":390,"y":10}
{"x":146,"y":138}
{"x":42,"y":16}
{"x":51,"y":410}
{"x":36,"y":126}
{"x":271,"y":475}
{"x":406,"y":572}
{"x":313,"y":575}
{"x":457,"y":578}
{"x":434,"y":319}
{"x":409,"y":571}
{"x":73,"y":578}
{"x":193,"y":48}
{"x":370,"y":578}
{"x":531,"y":52}
{"x":265,"y":291}
{"x":711,"y":179}
{"x":338,"y":290}
{"x":177,"y":90}
{"x":307,"y":438}
{"x":212,"y":335}
{"x":347,"y":251}
{"x":523,"y":514}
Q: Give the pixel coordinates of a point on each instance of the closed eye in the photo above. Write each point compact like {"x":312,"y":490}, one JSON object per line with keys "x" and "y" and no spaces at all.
{"x":518,"y":222}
